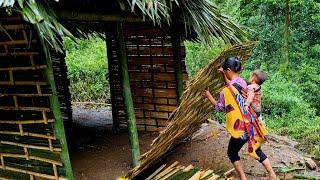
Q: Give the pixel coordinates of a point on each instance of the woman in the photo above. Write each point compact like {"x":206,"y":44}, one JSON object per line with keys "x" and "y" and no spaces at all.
{"x":242,"y":125}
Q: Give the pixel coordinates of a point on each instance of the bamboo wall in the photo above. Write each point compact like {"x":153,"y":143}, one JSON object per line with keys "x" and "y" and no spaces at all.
{"x":29,"y":145}
{"x":152,"y":75}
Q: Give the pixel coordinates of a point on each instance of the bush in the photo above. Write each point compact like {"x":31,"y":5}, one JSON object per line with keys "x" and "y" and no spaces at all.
{"x":199,"y":55}
{"x":87,"y":69}
{"x":289,"y":94}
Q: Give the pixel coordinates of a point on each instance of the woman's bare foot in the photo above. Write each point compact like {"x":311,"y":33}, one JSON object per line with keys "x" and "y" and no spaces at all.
{"x":272,"y":176}
{"x":267,"y":165}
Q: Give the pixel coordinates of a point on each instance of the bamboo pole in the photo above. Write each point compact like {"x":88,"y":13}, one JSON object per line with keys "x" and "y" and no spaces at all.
{"x":176,"y":48}
{"x":127,"y":96}
{"x":115,"y":118}
{"x":55,"y":107}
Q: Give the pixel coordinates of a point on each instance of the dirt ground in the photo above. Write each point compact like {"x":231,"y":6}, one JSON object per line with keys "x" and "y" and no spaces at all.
{"x":106,"y":157}
{"x":103,"y":155}
{"x":100,"y":154}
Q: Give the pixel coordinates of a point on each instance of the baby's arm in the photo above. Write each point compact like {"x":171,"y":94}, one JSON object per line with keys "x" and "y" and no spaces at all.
{"x":250,"y":93}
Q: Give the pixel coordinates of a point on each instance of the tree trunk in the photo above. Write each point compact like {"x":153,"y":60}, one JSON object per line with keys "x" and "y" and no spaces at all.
{"x":286,"y":32}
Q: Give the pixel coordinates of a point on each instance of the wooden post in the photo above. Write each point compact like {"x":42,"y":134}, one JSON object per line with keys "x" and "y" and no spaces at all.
{"x":176,"y":48}
{"x":55,"y":107}
{"x":127,"y":97}
{"x":115,"y":117}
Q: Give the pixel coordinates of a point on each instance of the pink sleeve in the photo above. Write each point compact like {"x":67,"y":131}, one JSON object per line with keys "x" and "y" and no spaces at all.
{"x":220,"y":106}
{"x":250,"y":93}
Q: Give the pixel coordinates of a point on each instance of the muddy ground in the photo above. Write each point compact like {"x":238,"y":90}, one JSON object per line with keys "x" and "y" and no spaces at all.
{"x":100,"y":154}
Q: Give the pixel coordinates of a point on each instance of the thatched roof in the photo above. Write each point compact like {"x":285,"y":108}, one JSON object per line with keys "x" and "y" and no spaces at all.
{"x":201,"y":16}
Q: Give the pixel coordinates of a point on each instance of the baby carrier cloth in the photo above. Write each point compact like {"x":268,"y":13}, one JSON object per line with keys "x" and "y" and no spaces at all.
{"x":241,"y":123}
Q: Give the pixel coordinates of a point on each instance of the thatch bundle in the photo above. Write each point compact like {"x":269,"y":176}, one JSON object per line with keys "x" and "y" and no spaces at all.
{"x":193,"y":110}
{"x":176,"y":171}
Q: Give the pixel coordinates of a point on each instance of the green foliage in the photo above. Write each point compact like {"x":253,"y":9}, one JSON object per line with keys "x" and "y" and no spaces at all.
{"x":42,"y":17}
{"x":199,"y":55}
{"x":291,"y":100}
{"x":87,"y":69}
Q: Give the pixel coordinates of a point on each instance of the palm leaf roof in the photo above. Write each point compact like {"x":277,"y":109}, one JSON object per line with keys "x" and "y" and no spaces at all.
{"x":201,"y":16}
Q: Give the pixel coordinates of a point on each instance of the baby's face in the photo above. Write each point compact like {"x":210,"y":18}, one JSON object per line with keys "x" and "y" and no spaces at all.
{"x":252,"y":78}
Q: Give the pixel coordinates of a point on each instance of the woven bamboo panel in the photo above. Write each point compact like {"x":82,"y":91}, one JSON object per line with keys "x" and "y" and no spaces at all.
{"x":29,"y":148}
{"x":152,"y":76}
{"x":62,"y":83}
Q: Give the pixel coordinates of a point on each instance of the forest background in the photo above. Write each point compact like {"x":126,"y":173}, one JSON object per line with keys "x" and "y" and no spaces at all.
{"x":288,"y":49}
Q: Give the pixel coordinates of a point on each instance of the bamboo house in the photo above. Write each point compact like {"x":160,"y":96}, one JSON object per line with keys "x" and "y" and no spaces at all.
{"x":147,"y":72}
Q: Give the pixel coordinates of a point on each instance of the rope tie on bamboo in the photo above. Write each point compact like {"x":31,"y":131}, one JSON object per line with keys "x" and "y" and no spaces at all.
{"x":15,"y":100}
{"x":39,"y":89}
{"x":31,"y":177}
{"x":50,"y":143}
{"x":55,"y":171}
{"x":21,"y":129}
{"x":11,"y":78}
{"x":2,"y":161}
{"x":26,"y":153}
{"x":32,"y":60}
{"x":45,"y":118}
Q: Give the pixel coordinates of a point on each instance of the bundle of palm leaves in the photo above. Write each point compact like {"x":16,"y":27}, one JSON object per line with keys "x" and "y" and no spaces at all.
{"x":193,"y":110}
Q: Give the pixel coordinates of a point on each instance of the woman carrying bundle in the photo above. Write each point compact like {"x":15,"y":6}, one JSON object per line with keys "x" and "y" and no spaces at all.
{"x":242,"y":122}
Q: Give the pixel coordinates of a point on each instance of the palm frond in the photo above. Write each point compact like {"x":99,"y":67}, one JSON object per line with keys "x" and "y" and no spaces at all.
{"x":42,"y":17}
{"x":202,"y":16}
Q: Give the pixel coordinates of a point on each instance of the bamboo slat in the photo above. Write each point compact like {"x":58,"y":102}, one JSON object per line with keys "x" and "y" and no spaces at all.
{"x":17,"y":42}
{"x":10,"y":108}
{"x":29,"y":134}
{"x":23,"y":68}
{"x":25,"y":95}
{"x":40,"y":175}
{"x":193,"y":110}
{"x":19,"y":54}
{"x":30,"y":146}
{"x":33,"y":158}
{"x":21,"y":83}
{"x":26,"y":121}
{"x":13,"y":27}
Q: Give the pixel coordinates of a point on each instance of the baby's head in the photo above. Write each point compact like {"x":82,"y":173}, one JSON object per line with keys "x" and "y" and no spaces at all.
{"x":257,"y":77}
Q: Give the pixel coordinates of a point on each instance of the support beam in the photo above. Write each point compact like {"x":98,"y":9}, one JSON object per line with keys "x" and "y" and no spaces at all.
{"x":78,"y":16}
{"x":55,"y":108}
{"x":176,"y":48}
{"x":127,"y":96}
{"x":115,"y":117}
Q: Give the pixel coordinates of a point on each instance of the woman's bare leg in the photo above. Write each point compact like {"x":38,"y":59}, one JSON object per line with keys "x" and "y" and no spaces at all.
{"x":267,"y":165}
{"x":238,"y":166}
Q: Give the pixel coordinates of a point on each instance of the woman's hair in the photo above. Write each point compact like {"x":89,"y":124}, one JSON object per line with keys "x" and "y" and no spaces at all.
{"x":233,"y":64}
{"x":260,"y":76}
